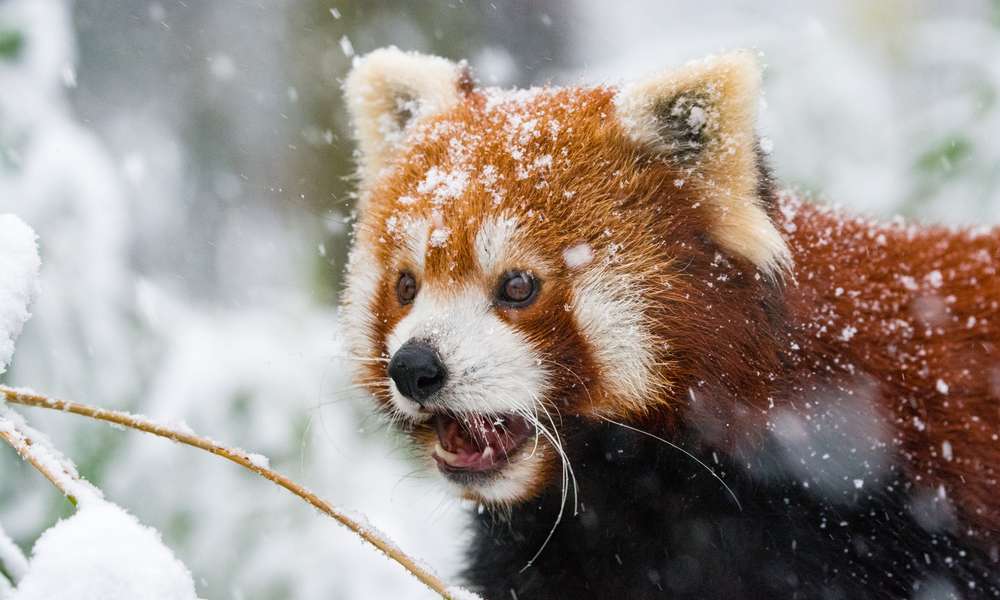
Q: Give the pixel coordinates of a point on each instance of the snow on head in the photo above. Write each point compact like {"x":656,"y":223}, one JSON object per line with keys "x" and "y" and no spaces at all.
{"x":444,"y":185}
{"x":19,"y":265}
{"x":578,"y":256}
{"x":103,"y":553}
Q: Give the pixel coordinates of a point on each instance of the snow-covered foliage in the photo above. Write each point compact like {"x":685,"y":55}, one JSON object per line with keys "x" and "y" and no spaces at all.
{"x":100,"y":553}
{"x":124,"y":320}
{"x":55,"y":175}
{"x":103,"y":553}
{"x":18,"y":271}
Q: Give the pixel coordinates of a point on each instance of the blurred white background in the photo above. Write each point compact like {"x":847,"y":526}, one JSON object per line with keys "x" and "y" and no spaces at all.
{"x":186,"y":166}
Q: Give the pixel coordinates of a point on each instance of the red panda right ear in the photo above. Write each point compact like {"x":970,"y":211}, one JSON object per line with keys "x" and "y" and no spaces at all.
{"x":702,"y":118}
{"x":386,"y":91}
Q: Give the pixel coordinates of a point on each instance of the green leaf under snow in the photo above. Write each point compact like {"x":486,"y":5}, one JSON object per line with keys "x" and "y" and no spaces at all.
{"x":943,"y":158}
{"x":11,"y":44}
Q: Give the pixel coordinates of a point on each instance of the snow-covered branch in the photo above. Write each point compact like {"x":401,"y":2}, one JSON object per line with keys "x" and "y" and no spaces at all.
{"x":124,"y":560}
{"x":35,"y":449}
{"x":253,"y":462}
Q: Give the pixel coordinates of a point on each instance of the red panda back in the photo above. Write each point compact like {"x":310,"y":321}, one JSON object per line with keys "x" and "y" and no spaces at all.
{"x":918,"y":310}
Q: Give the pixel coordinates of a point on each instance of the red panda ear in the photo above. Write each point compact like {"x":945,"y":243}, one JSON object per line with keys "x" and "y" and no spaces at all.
{"x":386,"y":91}
{"x":702,"y":118}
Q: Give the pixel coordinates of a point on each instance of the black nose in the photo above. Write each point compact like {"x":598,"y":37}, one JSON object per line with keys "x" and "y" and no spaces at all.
{"x":417,"y":371}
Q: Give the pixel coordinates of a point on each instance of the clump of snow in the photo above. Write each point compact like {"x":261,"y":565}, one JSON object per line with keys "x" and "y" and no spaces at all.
{"x":259,"y":460}
{"x":459,"y":593}
{"x":934,"y":278}
{"x":444,"y":185}
{"x":946,"y":450}
{"x":11,"y":558}
{"x":908,"y":282}
{"x":103,"y":553}
{"x":848,"y":332}
{"x":19,"y":265}
{"x":439,"y":237}
{"x":578,"y":256}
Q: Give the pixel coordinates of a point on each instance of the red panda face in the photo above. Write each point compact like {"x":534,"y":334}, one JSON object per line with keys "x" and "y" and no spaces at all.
{"x":517,"y":254}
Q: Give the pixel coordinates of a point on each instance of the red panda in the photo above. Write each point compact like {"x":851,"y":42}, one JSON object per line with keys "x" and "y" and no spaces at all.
{"x":594,"y":313}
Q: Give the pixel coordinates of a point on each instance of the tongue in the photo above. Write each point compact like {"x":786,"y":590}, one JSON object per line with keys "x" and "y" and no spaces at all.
{"x":461,"y":436}
{"x":474,"y":442}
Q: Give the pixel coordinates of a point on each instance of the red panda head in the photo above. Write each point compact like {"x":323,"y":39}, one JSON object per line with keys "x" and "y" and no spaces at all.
{"x":520,"y":256}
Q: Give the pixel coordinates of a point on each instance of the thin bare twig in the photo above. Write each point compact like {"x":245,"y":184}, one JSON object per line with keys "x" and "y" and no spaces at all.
{"x":27,"y":398}
{"x":22,"y":445}
{"x":35,"y":450}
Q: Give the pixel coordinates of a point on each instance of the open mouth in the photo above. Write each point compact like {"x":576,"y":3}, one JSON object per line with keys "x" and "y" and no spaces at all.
{"x":473,"y":443}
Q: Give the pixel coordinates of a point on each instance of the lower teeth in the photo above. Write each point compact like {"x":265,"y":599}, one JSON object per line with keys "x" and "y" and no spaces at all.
{"x":449,"y":457}
{"x":454,"y":459}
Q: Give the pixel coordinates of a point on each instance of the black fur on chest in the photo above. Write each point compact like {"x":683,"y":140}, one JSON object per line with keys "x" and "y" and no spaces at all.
{"x":653,"y":523}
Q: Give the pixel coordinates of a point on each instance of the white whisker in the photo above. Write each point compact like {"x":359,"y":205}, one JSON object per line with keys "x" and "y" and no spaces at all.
{"x":375,"y":359}
{"x":688,"y":454}
{"x":568,"y":475}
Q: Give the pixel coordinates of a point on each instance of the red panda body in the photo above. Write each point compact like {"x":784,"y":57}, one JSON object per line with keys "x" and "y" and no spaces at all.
{"x":661,"y":377}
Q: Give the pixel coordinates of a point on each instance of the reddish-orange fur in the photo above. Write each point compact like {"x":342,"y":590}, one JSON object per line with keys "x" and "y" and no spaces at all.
{"x":914,"y":330}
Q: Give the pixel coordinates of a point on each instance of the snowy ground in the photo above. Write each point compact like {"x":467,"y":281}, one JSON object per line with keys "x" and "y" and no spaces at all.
{"x":155,"y":299}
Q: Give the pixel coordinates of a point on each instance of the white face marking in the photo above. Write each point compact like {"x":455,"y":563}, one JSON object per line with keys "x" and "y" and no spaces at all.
{"x":416,"y":236}
{"x":511,"y":483}
{"x":491,"y":366}
{"x":362,"y":287}
{"x":494,"y":238}
{"x":611,"y":317}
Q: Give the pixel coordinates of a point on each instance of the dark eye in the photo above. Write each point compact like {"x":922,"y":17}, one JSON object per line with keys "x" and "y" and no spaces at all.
{"x":406,"y":288}
{"x":517,"y":289}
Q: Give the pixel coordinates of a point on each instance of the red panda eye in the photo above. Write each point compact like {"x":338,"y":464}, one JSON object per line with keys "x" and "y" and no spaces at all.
{"x":517,"y":289}
{"x":406,"y":288}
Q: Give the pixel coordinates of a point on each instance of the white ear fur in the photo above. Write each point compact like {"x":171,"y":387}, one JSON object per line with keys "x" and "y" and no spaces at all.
{"x":703,"y":116}
{"x":387,"y":90}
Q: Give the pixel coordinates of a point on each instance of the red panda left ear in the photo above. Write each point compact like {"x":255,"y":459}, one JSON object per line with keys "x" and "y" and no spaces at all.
{"x":388,"y":90}
{"x":702,"y":118}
